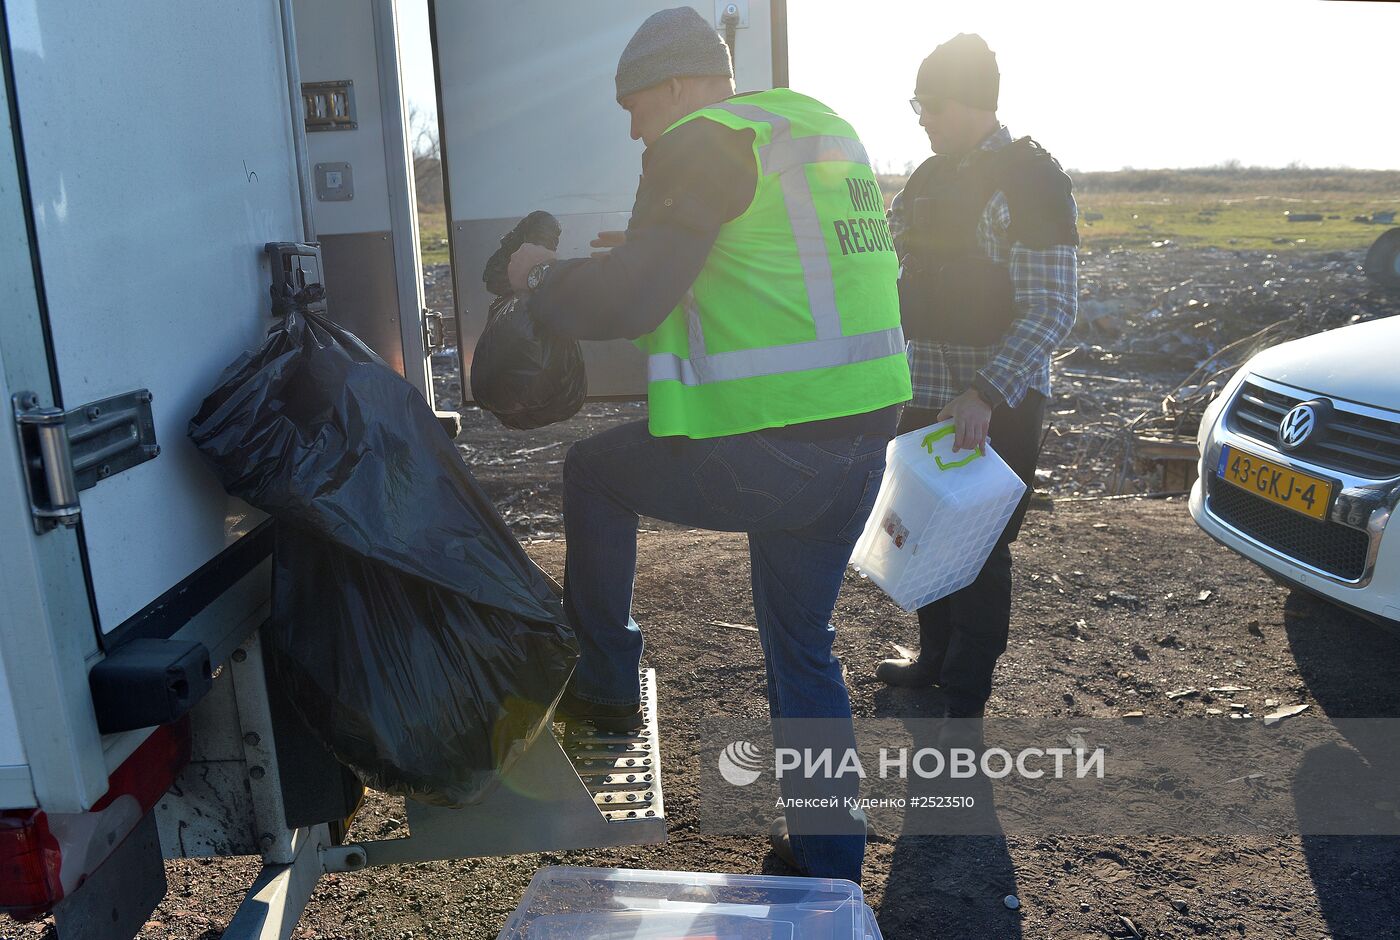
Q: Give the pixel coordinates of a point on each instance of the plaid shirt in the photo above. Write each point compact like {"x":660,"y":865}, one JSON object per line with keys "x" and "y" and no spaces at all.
{"x":1046,"y":284}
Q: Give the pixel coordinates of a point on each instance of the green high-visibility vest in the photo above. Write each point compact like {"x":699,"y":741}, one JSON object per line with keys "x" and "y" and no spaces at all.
{"x":795,"y":316}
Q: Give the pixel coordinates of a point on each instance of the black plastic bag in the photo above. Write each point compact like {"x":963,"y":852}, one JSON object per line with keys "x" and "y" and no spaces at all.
{"x":410,"y":629}
{"x":523,"y":376}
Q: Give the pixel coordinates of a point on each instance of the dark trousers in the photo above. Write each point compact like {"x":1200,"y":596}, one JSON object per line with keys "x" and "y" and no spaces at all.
{"x":962,"y":635}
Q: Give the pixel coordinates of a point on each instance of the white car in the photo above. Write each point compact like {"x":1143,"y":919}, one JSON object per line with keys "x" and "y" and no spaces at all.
{"x":1300,"y":465}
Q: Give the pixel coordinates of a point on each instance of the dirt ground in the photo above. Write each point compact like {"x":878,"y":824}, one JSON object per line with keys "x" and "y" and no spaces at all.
{"x":1249,"y":633}
{"x":1107,"y":619}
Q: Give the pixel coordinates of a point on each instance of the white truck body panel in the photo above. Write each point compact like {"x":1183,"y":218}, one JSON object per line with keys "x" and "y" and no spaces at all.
{"x":153,"y":196}
{"x":369,"y":243}
{"x":11,"y":748}
{"x":335,"y":40}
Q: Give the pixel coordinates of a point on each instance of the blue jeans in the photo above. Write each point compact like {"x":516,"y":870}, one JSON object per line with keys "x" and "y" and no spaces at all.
{"x":803,"y":505}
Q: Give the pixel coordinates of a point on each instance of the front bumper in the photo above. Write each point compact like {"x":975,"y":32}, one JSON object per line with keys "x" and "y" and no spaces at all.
{"x":1347,"y":559}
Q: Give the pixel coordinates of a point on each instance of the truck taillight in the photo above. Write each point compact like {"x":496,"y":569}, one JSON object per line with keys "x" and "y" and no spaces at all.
{"x":34,"y":844}
{"x":29,"y":864}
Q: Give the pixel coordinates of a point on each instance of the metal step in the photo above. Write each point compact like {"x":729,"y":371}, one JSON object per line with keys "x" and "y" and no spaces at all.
{"x":574,"y":789}
{"x":622,"y":771}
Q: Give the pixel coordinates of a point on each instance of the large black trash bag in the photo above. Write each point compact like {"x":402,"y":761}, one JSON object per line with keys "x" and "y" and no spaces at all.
{"x":411,"y":630}
{"x":525,"y":377}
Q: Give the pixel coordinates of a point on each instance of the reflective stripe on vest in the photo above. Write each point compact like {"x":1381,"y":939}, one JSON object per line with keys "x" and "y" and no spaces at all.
{"x":788,"y":157}
{"x":775,"y":360}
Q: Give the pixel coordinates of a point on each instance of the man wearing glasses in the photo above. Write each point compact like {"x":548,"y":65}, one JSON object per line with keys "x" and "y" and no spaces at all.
{"x":987,"y":240}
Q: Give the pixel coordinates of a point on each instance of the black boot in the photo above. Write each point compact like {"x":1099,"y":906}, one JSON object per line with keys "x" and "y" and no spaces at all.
{"x":906,"y":674}
{"x":610,"y":719}
{"x":962,"y":725}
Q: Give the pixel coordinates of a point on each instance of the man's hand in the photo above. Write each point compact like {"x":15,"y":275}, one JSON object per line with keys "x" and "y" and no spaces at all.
{"x":525,"y":258}
{"x":607,"y":241}
{"x":971,"y":417}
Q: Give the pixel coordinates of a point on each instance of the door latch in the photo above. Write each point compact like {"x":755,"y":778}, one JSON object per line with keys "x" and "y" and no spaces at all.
{"x":433,"y":329}
{"x":66,"y":452}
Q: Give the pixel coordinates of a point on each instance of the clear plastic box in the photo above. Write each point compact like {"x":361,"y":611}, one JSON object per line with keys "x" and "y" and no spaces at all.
{"x":626,"y":904}
{"x":936,"y":518}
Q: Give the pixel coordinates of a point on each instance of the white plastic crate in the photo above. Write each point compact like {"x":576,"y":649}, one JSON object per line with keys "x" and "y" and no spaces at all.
{"x":574,"y":903}
{"x":936,"y":518}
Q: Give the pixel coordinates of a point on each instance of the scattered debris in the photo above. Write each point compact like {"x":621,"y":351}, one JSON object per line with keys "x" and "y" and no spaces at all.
{"x":1274,"y":718}
{"x":1131,"y":601}
{"x":1133,"y":716}
{"x":1182,"y":693}
{"x":1204,"y":596}
{"x":1254,"y":629}
{"x":1130,"y":927}
{"x":1159,"y":335}
{"x":1012,"y":902}
{"x":732,"y":626}
{"x":1230,"y":689}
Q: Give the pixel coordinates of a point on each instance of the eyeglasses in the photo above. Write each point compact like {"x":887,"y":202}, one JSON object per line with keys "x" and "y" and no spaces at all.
{"x":932,"y":105}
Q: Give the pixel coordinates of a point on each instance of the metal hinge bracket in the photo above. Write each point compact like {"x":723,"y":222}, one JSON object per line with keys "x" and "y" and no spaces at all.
{"x":66,"y":452}
{"x":433,"y":329}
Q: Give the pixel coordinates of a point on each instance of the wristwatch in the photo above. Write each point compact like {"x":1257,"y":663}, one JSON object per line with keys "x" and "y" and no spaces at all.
{"x":535,"y":278}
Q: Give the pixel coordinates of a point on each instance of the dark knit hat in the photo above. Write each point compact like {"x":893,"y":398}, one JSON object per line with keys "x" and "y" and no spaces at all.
{"x":962,"y":69}
{"x":675,"y":43}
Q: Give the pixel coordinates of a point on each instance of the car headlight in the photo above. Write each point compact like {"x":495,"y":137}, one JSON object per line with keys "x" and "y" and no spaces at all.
{"x":1213,"y":410}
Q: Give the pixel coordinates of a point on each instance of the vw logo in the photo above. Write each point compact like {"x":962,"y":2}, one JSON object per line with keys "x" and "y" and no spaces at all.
{"x":1297,"y":426}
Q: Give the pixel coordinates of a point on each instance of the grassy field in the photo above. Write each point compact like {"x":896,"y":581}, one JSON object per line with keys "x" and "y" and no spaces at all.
{"x":1200,"y":220}
{"x":432,"y":234}
{"x":1229,"y":207}
{"x":1221,"y":207}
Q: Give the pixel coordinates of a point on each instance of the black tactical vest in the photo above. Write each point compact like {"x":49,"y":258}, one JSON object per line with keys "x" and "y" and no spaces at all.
{"x":949,"y":291}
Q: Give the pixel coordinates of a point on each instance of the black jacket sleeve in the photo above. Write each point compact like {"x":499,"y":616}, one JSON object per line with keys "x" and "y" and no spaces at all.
{"x":695,"y":178}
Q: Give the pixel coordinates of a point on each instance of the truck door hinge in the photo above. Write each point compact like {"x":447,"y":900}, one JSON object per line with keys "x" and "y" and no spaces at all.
{"x":66,"y":452}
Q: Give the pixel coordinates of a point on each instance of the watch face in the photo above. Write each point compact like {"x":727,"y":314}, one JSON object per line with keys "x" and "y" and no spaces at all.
{"x":536,"y":275}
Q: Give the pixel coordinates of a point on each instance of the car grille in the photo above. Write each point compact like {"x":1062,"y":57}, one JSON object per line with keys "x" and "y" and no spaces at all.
{"x":1328,"y":546}
{"x":1352,"y":443}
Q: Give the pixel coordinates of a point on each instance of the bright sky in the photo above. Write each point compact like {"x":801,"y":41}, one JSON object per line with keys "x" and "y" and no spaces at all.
{"x":1103,"y":84}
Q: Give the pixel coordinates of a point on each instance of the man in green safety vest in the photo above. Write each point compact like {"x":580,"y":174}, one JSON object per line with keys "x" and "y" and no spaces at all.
{"x":758,"y":275}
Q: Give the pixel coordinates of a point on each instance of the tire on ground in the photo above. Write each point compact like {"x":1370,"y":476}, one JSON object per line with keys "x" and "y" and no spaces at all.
{"x":1383,"y":260}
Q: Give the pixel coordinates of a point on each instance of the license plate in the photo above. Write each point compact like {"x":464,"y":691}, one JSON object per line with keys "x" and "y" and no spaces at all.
{"x":1300,"y":492}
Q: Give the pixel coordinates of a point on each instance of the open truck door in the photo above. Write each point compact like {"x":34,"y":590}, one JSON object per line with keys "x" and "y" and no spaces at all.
{"x":161,"y":167}
{"x":528,"y":119}
{"x":148,"y":153}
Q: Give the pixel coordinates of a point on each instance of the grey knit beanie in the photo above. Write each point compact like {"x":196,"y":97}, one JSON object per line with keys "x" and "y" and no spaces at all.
{"x":675,"y":43}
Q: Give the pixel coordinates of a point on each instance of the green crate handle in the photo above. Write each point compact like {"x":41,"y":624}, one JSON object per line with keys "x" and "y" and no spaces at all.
{"x":939,"y":435}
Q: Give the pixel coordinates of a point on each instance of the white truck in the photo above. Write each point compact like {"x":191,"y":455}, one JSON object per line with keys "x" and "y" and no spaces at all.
{"x":162,"y":165}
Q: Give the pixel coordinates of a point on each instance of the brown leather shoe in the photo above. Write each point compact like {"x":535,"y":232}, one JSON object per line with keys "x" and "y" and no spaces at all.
{"x":781,"y":842}
{"x":906,"y":674}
